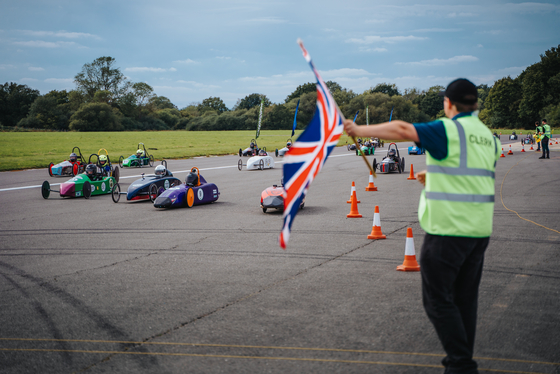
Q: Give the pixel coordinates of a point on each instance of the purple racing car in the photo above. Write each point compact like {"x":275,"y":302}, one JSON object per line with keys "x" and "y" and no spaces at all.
{"x":195,"y":191}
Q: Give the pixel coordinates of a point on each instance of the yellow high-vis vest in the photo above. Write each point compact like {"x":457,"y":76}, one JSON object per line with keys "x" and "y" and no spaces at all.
{"x":459,"y":196}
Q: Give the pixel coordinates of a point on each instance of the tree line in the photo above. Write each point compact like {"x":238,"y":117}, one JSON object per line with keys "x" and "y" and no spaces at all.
{"x":105,"y":100}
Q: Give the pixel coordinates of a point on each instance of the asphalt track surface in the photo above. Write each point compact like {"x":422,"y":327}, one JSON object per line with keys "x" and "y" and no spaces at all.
{"x":97,"y":287}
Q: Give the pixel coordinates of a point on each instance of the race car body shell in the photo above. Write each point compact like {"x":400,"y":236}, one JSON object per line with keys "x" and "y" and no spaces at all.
{"x":74,"y":187}
{"x":272,"y":197}
{"x":134,"y":161}
{"x":415,"y":150}
{"x":176,"y":196}
{"x":254,"y":162}
{"x":139,"y":189}
{"x":66,"y":168}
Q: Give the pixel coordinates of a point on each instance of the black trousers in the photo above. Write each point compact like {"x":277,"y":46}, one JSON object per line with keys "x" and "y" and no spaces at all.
{"x":451,"y":269}
{"x":544,"y":142}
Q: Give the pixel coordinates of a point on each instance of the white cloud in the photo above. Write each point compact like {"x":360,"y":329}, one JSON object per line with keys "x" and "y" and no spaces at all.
{"x":6,"y":66}
{"x":59,"y":80}
{"x":44,"y":44}
{"x":28,"y":80}
{"x":188,"y":61}
{"x":269,"y":20}
{"x":223,"y":58}
{"x":438,"y":30}
{"x":440,"y":62}
{"x":384,"y":39}
{"x":33,"y":68}
{"x":148,"y":69}
{"x":377,"y":49}
{"x":532,"y":8}
{"x":59,"y":34}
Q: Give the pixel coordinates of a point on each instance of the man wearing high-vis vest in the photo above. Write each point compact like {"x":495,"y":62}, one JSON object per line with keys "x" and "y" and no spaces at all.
{"x":546,"y":129}
{"x":456,"y":211}
{"x":538,"y":130}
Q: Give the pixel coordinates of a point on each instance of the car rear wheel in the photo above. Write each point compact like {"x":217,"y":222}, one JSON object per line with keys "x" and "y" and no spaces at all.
{"x":276,"y":152}
{"x":151,"y":160}
{"x":116,"y":173}
{"x":86,"y":189}
{"x":374,"y":166}
{"x":261,"y":164}
{"x":121,"y":159}
{"x":50,"y":169}
{"x":240,"y":164}
{"x":153,"y":192}
{"x":46,"y":189}
{"x":402,"y":164}
{"x":116,"y":193}
{"x":264,"y":210}
{"x":240,"y":152}
{"x":190,"y":198}
{"x":75,"y":169}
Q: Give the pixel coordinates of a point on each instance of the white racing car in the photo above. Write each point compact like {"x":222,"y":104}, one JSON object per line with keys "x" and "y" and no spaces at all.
{"x":260,"y":162}
{"x":281,"y":152}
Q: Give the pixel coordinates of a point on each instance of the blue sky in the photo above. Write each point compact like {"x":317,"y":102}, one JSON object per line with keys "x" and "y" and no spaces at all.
{"x":191,"y":50}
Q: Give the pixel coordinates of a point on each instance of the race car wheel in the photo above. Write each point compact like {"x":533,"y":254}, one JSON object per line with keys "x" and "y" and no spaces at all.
{"x":302,"y":205}
{"x":50,"y":169}
{"x":86,"y":189}
{"x":46,"y":189}
{"x":261,"y":164}
{"x":75,"y":169}
{"x":240,"y":164}
{"x":276,"y":152}
{"x":151,"y":160}
{"x":116,"y":193}
{"x":190,"y":198}
{"x":121,"y":159}
{"x":240,"y":153}
{"x":116,"y":173}
{"x":348,"y":147}
{"x":402,"y":164}
{"x":374,"y":166}
{"x":153,"y":192}
{"x":264,"y":210}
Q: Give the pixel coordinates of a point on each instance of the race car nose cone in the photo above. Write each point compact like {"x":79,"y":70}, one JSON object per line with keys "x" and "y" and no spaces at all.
{"x":67,"y":189}
{"x":162,"y":202}
{"x":273,"y":202}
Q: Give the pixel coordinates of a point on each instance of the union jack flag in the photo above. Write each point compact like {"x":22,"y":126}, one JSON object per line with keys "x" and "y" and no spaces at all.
{"x":308,"y":154}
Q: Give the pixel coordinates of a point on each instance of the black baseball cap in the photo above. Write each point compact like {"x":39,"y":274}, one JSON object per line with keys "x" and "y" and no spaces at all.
{"x":461,"y":91}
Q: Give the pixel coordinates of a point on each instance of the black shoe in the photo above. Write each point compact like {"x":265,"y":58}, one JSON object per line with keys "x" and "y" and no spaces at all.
{"x":548,"y":157}
{"x":541,"y":157}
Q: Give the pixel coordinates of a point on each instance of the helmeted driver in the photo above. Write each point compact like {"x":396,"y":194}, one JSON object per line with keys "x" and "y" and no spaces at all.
{"x":103,"y":164}
{"x":139,"y":153}
{"x":91,"y":172}
{"x":192,"y":179}
{"x":288,"y":144}
{"x":160,"y":171}
{"x":262,"y":152}
{"x":73,"y":157}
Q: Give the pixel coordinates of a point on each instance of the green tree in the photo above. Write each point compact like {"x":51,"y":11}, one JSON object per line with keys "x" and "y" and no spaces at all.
{"x":280,"y":117}
{"x":333,"y":86}
{"x":142,"y":92}
{"x":46,"y":113}
{"x":102,"y":75}
{"x":503,"y":103}
{"x":431,"y":103}
{"x":213,"y":103}
{"x":15,"y":101}
{"x":251,"y":101}
{"x":386,"y":88}
{"x":95,"y":117}
{"x":302,"y":89}
{"x":160,"y":102}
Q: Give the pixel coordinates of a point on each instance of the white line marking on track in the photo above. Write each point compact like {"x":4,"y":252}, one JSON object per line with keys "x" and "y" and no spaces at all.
{"x":140,"y":176}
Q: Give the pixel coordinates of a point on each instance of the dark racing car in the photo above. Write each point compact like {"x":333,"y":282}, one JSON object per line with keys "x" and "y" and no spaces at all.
{"x":148,"y":187}
{"x":251,"y":150}
{"x":391,"y":162}
{"x":195,"y":191}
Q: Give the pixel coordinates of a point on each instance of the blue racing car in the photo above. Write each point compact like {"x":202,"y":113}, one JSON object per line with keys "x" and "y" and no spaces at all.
{"x":415,"y":150}
{"x":148,"y":187}
{"x":195,"y":191}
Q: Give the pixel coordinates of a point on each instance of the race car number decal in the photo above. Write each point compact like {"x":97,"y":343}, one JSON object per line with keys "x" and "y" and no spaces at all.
{"x":103,"y":187}
{"x":166,"y":184}
{"x":267,"y":162}
{"x":200,"y":194}
{"x":92,"y":188}
{"x":110,"y":183}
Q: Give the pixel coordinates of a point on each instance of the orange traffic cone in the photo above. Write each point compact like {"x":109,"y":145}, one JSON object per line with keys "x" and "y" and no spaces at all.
{"x":510,"y":151}
{"x":502,"y":155}
{"x":410,"y":263}
{"x":376,"y":229}
{"x":411,"y":176}
{"x":522,"y":147}
{"x":556,"y":140}
{"x":352,"y":190}
{"x":354,"y":207}
{"x":371,"y":186}
{"x":531,"y":147}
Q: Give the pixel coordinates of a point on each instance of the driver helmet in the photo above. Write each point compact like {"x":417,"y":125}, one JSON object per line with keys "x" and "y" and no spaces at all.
{"x":91,"y":170}
{"x":392,"y":152}
{"x":192,"y":178}
{"x":252,"y":145}
{"x":360,"y":140}
{"x":262,"y":152}
{"x":73,"y":157}
{"x":102,"y":160}
{"x":288,"y":144}
{"x":139,"y":153}
{"x":160,"y":171}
